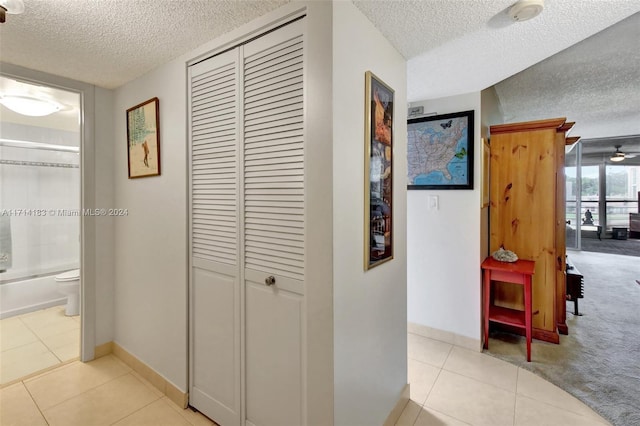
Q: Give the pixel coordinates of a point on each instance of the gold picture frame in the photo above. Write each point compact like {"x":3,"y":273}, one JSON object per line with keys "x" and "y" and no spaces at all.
{"x":486,"y":161}
{"x":378,"y":172}
{"x":143,"y":139}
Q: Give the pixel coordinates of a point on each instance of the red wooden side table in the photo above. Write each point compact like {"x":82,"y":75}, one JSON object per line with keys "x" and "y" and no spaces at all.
{"x":518,"y":272}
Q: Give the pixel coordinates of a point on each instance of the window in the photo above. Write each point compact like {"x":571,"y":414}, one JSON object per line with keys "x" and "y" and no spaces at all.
{"x":621,"y":194}
{"x":590,"y":196}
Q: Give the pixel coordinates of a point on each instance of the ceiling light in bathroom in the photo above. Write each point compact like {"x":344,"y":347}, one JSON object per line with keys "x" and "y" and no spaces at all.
{"x":13,"y":7}
{"x":29,"y":105}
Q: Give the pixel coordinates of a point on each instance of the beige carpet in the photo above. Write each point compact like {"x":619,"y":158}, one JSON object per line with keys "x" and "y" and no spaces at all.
{"x":599,"y":361}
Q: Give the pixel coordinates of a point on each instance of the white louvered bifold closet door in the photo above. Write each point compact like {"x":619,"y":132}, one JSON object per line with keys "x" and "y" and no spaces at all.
{"x":214,"y":165}
{"x":215,"y":221}
{"x":274,"y":225}
{"x":274,"y":160}
{"x":247,"y":231}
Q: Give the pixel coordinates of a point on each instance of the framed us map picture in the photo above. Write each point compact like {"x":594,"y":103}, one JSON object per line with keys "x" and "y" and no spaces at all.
{"x":440,"y":151}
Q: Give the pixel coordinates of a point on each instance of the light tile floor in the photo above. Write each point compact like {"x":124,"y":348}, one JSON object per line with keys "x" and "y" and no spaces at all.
{"x":455,"y":386}
{"x":35,"y":341}
{"x":449,"y":386}
{"x":101,"y":392}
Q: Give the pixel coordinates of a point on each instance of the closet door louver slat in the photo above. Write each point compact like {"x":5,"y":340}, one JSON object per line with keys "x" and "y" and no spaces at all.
{"x":214,"y":176}
{"x":274,"y":160}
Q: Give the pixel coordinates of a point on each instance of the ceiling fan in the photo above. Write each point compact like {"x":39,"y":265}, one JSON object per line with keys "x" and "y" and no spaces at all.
{"x":619,"y":155}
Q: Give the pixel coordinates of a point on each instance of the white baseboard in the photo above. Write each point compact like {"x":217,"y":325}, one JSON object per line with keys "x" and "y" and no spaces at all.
{"x":395,"y":414}
{"x":180,"y":398}
{"x":445,"y":336}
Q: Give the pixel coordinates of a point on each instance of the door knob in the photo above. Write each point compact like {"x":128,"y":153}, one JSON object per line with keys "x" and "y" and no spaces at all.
{"x":269,"y":281}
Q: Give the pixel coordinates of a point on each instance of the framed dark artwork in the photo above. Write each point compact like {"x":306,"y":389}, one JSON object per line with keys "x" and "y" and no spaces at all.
{"x":440,"y":151}
{"x":378,"y":172}
{"x":143,"y":139}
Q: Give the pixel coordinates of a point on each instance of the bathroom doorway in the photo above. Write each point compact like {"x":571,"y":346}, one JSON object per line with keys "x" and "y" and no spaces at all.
{"x":40,"y":227}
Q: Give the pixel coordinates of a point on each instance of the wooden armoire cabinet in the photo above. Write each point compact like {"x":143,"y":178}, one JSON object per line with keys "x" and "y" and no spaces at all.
{"x":527,"y":215}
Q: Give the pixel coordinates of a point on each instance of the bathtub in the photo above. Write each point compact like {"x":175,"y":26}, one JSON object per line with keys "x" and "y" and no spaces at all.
{"x":23,"y":296}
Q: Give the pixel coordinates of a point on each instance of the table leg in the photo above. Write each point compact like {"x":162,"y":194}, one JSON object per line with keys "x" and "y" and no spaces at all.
{"x":486,"y":290}
{"x":527,"y":313}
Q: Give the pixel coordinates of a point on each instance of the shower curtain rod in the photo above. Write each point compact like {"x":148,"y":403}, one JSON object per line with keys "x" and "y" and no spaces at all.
{"x":13,"y":143}
{"x":39,"y":164}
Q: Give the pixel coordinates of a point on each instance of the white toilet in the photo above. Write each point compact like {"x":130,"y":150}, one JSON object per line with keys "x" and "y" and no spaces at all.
{"x":68,"y":283}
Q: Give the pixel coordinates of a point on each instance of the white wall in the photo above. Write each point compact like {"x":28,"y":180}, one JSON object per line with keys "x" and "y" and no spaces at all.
{"x":105,"y":139}
{"x":151,"y":242}
{"x":319,"y":211}
{"x":443,"y":269}
{"x":368,"y":309}
{"x":491,"y":113}
{"x":370,"y":339}
{"x":151,"y":249}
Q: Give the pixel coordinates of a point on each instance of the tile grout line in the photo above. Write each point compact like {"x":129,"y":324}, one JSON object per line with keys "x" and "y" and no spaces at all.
{"x":34,"y":375}
{"x":482,"y":380}
{"x":85,"y":391}
{"x":146,"y":383}
{"x":581,"y":415}
{"x":68,"y":319}
{"x":434,"y":385}
{"x":23,"y":376}
{"x":21,"y":346}
{"x":439,"y":372}
{"x":35,"y":402}
{"x":27,"y":327}
{"x":585,"y":415}
{"x":429,"y":393}
{"x":44,"y":312}
{"x":466,"y":377}
{"x":139,"y":409}
{"x":453,"y":417}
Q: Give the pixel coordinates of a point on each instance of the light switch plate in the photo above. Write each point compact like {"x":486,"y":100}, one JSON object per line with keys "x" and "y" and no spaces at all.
{"x":432,"y":202}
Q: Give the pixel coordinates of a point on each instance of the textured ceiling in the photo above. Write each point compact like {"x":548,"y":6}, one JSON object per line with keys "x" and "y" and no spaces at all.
{"x":598,"y":80}
{"x":462,"y":46}
{"x":452,"y":46}
{"x":110,"y":42}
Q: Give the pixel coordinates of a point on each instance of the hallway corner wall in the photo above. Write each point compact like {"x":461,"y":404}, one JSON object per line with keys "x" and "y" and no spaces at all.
{"x":444,"y":245}
{"x":370,"y":317}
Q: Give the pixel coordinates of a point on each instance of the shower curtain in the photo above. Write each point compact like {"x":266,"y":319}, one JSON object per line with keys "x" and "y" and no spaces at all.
{"x":5,"y":242}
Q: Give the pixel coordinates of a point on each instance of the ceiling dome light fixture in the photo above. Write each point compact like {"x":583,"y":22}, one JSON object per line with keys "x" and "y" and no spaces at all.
{"x":524,"y":10}
{"x":29,"y":105}
{"x":13,"y":7}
